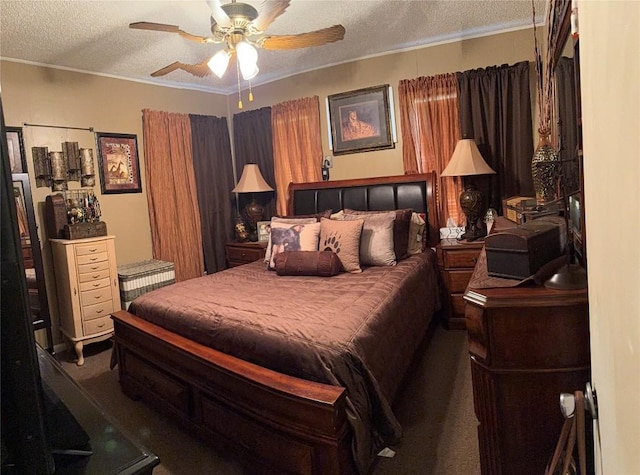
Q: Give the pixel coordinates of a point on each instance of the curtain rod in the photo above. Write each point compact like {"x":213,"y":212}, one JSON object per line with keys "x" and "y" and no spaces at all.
{"x":90,"y":129}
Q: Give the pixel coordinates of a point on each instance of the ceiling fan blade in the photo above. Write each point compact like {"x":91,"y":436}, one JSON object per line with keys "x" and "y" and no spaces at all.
{"x":218,"y":14}
{"x":145,"y":25}
{"x":200,"y":70}
{"x":269,"y":11}
{"x":303,"y":40}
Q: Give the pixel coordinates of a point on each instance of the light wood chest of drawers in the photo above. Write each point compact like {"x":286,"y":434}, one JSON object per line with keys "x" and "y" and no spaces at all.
{"x":88,"y":291}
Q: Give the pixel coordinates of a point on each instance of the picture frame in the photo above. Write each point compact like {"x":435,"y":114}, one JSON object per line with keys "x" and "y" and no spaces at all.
{"x":264,"y":228}
{"x":118,"y":163}
{"x":360,"y":120}
{"x":15,"y":145}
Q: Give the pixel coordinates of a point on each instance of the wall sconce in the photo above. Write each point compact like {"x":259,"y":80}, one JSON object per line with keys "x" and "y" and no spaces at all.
{"x":58,"y":171}
{"x":71,"y":154}
{"x":86,"y":167}
{"x":41,"y":166}
{"x":55,"y":169}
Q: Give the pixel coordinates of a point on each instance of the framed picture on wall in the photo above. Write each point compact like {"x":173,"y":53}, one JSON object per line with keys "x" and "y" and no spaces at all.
{"x":360,"y":120}
{"x":15,"y":144}
{"x":118,"y":163}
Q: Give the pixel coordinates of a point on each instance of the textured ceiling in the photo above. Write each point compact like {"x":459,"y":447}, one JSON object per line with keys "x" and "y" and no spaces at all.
{"x":93,"y":35}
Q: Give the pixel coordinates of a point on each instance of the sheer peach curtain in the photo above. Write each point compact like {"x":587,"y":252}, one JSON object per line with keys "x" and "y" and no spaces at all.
{"x":430,"y":131}
{"x":171,"y":192}
{"x":297,"y":146}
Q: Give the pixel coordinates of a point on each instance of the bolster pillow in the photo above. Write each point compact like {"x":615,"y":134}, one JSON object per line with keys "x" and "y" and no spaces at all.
{"x":319,"y":263}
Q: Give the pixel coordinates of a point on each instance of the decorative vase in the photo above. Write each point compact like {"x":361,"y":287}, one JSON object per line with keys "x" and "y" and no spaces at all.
{"x":545,"y":168}
{"x":239,"y":227}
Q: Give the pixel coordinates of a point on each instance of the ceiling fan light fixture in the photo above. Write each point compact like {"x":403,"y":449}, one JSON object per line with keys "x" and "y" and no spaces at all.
{"x":248,"y":60}
{"x":219,"y":62}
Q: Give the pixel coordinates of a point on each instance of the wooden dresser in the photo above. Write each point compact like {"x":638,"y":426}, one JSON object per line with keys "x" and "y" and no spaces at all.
{"x":88,"y":292}
{"x":527,"y":346}
{"x":456,"y":261}
{"x":240,"y":253}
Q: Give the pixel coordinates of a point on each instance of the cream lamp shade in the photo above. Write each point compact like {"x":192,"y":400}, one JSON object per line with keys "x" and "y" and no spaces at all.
{"x":251,"y":180}
{"x":466,"y":160}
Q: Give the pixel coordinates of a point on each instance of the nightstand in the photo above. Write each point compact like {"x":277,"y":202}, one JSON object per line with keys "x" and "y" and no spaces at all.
{"x":456,"y":261}
{"x":240,"y":253}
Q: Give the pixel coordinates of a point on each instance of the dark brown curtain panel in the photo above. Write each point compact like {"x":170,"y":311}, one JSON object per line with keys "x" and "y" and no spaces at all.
{"x":171,"y":192}
{"x":495,"y":110}
{"x":214,"y":182}
{"x":253,"y":143}
{"x":567,"y":124}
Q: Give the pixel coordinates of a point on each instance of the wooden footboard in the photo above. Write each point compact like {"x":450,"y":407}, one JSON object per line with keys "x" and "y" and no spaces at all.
{"x":274,"y":423}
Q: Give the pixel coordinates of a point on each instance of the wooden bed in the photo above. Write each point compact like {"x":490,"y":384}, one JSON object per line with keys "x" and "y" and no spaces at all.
{"x":273,"y":422}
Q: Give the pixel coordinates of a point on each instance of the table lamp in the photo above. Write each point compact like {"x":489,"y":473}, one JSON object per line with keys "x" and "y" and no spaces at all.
{"x":252,"y":181}
{"x":467,"y":161}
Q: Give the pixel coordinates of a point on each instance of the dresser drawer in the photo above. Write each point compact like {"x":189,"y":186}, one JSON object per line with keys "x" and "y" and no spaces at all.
{"x":91,"y":249}
{"x":98,"y":325}
{"x":92,"y":297}
{"x":93,"y":276}
{"x":94,"y":284}
{"x":92,"y":258}
{"x":461,"y":258}
{"x":244,"y":254}
{"x":97,"y":310}
{"x":92,"y":267}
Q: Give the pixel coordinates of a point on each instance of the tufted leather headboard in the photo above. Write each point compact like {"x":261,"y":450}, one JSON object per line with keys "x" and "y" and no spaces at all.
{"x":370,"y":194}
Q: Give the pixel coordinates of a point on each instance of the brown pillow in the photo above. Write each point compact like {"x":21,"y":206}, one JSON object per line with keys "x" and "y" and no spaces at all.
{"x":320,"y":263}
{"x":400,"y":229}
{"x":342,"y":237}
{"x":323,"y":214}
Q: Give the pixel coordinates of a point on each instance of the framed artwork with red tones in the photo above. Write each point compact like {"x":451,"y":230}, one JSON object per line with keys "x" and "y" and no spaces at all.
{"x":118,"y":163}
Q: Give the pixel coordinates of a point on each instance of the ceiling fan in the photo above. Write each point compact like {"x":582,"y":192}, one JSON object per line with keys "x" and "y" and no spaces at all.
{"x":241,"y":28}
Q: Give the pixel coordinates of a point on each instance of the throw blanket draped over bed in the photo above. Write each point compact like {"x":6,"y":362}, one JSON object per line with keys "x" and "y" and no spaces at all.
{"x":359,"y":331}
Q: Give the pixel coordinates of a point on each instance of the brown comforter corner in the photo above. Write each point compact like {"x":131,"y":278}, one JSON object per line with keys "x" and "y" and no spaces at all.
{"x":359,"y":331}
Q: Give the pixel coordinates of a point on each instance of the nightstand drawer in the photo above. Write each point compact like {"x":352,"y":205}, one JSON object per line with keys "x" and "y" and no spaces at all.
{"x":461,"y":258}
{"x":457,"y":280}
{"x":244,"y":253}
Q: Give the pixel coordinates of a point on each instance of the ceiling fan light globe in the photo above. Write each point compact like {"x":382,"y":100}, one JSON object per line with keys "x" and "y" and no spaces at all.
{"x":219,"y":62}
{"x":249,"y":71}
{"x":246,"y":53}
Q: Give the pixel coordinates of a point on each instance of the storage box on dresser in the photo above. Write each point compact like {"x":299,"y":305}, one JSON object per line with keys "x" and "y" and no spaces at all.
{"x":88,"y":292}
{"x":456,"y":261}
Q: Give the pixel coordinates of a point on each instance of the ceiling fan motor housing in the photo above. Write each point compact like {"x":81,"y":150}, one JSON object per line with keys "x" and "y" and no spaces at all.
{"x":240,"y":14}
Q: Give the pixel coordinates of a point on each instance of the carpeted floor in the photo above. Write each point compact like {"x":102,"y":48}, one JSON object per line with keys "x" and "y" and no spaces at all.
{"x":435,"y":410}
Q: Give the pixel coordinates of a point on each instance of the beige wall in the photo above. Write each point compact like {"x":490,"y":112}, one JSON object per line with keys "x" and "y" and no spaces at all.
{"x":37,"y":95}
{"x":610,"y":76}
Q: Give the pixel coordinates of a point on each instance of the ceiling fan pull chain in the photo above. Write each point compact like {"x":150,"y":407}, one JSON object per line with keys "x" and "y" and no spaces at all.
{"x":250,"y":92}
{"x":239,"y":96}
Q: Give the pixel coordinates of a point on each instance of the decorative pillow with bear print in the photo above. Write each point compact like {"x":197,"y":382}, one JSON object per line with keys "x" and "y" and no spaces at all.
{"x":343,"y":238}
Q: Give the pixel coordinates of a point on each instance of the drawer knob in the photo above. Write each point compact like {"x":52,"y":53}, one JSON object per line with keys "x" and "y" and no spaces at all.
{"x":94,"y":258}
{"x":93,"y":249}
{"x":96,"y":285}
{"x":100,"y":311}
{"x":97,"y":297}
{"x":94,"y":267}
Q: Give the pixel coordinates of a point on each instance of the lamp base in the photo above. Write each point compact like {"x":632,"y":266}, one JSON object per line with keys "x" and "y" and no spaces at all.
{"x":568,"y":277}
{"x":473,"y":207}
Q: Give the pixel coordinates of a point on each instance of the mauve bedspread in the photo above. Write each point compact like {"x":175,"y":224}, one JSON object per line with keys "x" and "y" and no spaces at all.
{"x":358,"y":331}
